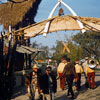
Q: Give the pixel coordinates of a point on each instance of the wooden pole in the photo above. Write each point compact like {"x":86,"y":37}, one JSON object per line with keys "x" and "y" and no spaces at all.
{"x":63,"y":43}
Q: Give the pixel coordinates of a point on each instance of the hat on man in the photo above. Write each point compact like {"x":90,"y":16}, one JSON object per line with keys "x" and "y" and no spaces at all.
{"x":68,"y":59}
{"x":62,"y":58}
{"x":77,"y":61}
{"x":48,"y":68}
{"x":86,"y":58}
{"x":35,"y":66}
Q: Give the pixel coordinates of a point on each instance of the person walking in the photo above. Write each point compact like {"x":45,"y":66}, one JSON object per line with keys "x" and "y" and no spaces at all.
{"x":90,"y":73}
{"x":79,"y":71}
{"x":48,"y":84}
{"x":84,"y":65}
{"x":70,"y":73}
{"x":84,"y":69}
{"x":60,"y":69}
{"x":31,"y":83}
{"x":35,"y":82}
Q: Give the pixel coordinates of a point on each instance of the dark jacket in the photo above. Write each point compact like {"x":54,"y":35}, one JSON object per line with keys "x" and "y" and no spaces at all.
{"x":44,"y":83}
{"x":69,"y":69}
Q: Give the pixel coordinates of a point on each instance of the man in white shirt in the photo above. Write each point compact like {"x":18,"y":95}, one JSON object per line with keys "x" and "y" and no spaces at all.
{"x":60,"y":69}
{"x":84,"y":69}
{"x":79,"y":71}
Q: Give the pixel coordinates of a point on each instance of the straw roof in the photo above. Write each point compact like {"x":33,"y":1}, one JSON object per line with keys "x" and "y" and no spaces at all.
{"x":18,"y":13}
{"x":26,"y":49}
{"x":61,"y":23}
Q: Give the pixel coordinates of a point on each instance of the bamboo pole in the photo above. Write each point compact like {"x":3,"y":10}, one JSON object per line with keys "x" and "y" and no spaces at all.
{"x":63,"y":43}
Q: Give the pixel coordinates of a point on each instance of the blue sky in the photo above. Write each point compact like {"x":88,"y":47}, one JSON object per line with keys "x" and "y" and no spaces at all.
{"x":89,"y":8}
{"x":86,"y":8}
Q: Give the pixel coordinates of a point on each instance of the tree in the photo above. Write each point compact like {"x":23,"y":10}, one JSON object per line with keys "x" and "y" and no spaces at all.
{"x":89,"y":42}
{"x":58,"y":51}
{"x":44,"y":54}
{"x":35,"y":45}
{"x":75,"y":51}
{"x":73,"y":55}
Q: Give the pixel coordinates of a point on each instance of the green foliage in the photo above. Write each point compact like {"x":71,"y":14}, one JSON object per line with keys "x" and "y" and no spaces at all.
{"x":45,"y":54}
{"x":75,"y":51}
{"x":42,"y":55}
{"x":80,"y":46}
{"x":89,"y":42}
{"x":58,"y":51}
{"x":35,"y":45}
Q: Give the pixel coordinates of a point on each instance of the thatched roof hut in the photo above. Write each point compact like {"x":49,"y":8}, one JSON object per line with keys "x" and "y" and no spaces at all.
{"x":18,"y":13}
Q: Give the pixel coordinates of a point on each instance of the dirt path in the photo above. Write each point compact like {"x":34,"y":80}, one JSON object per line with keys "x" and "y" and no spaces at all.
{"x":83,"y":94}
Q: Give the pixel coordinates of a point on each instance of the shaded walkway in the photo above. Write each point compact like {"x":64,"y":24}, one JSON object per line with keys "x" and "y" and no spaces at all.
{"x":83,"y":94}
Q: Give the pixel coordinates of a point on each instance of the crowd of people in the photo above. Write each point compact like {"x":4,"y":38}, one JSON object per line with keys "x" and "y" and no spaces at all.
{"x":67,"y":72}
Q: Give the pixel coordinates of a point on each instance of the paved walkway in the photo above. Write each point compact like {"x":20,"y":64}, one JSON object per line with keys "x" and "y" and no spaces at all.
{"x":83,"y":94}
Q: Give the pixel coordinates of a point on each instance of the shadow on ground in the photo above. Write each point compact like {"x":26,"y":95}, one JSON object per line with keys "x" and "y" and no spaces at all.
{"x":18,"y":91}
{"x":63,"y":97}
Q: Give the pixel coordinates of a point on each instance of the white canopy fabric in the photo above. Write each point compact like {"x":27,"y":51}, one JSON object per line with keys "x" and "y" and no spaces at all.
{"x":62,"y":23}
